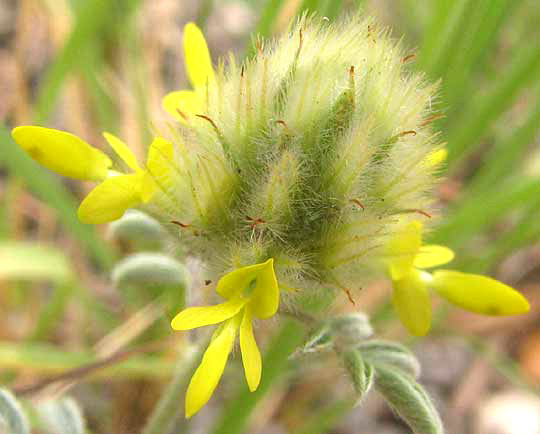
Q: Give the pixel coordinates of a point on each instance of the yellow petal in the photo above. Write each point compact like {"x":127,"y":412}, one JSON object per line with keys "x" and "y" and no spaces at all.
{"x":432,"y":255}
{"x":63,"y":152}
{"x":159,"y":166}
{"x":110,"y":199}
{"x":197,"y":57}
{"x":436,"y":157}
{"x":123,"y":151}
{"x":194,"y":317}
{"x":251,"y":356}
{"x":264,"y":296}
{"x":403,"y":248}
{"x":182,"y":104}
{"x":160,"y":161}
{"x":412,"y":303}
{"x":478,"y":293}
{"x":206,"y":377}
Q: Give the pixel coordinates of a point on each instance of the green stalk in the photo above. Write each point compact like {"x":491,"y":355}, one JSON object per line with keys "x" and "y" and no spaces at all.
{"x":170,"y":403}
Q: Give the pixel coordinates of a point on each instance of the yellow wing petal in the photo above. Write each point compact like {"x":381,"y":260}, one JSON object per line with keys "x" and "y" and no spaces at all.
{"x":402,"y":250}
{"x":251,"y":356}
{"x":182,"y":104}
{"x":197,"y":57}
{"x":207,"y":376}
{"x":478,"y":293}
{"x":123,"y":151}
{"x":63,"y":152}
{"x":412,"y":303}
{"x":432,"y":255}
{"x":110,"y":199}
{"x":194,"y":317}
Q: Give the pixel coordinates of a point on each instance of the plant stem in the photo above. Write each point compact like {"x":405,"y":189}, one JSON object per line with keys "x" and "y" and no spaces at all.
{"x":170,"y":403}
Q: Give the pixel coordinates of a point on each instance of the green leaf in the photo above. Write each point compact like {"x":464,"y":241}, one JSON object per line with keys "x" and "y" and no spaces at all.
{"x":360,"y":373}
{"x":12,"y":418}
{"x":408,"y":399}
{"x":391,"y":354}
{"x":31,"y":261}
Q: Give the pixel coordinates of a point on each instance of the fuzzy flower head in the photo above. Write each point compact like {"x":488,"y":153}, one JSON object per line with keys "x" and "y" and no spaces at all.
{"x":250,"y":292}
{"x":314,"y":152}
{"x":407,"y":259}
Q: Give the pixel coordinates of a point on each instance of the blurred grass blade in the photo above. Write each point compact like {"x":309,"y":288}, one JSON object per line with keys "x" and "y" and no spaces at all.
{"x":235,"y":414}
{"x":268,"y":17}
{"x":90,"y":17}
{"x":483,"y":210}
{"x":332,"y":8}
{"x":433,"y":36}
{"x":447,"y":39}
{"x":505,"y":154}
{"x":52,"y":312}
{"x":322,"y":421}
{"x":31,"y":261}
{"x":477,"y":42}
{"x":309,"y":6}
{"x":52,"y":192}
{"x":476,"y":120}
{"x":44,"y":359}
{"x":94,"y":18}
{"x":524,"y":232}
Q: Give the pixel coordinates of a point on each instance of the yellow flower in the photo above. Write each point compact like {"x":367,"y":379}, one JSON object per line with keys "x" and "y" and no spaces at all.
{"x":185,"y":103}
{"x":71,"y":156}
{"x":406,"y":259}
{"x":250,"y":291}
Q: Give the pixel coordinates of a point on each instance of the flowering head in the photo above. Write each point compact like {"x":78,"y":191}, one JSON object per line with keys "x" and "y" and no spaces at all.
{"x":250,"y":292}
{"x":406,"y":261}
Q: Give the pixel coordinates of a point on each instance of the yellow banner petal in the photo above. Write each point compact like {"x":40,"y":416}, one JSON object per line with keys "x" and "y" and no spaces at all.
{"x":194,"y":317}
{"x":123,"y":151}
{"x":207,"y":376}
{"x":432,"y":255}
{"x":63,"y":152}
{"x":265,"y":296}
{"x":478,"y":294}
{"x":182,"y":104}
{"x":251,"y":356}
{"x":110,"y":199}
{"x":402,"y":250}
{"x":160,"y":161}
{"x":197,"y":57}
{"x":412,"y":303}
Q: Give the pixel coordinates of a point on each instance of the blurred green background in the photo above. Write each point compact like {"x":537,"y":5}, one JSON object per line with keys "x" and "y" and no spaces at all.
{"x":86,"y":66}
